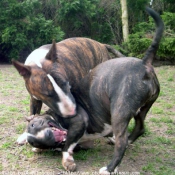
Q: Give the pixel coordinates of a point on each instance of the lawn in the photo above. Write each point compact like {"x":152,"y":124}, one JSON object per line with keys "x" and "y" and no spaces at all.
{"x":153,"y":153}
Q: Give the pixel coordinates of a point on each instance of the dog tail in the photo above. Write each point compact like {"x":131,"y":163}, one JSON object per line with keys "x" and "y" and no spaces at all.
{"x":115,"y":52}
{"x":151,"y":52}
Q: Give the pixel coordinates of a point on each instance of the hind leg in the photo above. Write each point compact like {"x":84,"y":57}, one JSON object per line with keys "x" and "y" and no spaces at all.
{"x":120,"y":122}
{"x":139,"y":128}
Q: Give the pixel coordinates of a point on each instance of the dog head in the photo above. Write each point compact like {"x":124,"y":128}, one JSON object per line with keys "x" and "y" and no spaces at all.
{"x":49,"y":83}
{"x":44,"y":132}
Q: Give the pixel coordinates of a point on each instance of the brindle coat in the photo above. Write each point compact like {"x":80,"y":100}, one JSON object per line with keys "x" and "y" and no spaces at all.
{"x":66,"y":63}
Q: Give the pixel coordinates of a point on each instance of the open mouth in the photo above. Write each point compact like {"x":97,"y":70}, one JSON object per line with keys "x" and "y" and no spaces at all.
{"x":59,"y":133}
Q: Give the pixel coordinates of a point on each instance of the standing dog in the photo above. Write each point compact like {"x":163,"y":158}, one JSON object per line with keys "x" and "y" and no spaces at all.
{"x":109,"y":96}
{"x":51,"y":70}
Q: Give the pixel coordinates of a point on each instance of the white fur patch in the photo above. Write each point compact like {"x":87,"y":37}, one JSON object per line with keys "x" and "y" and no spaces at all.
{"x":41,"y":134}
{"x":71,"y":148}
{"x":67,"y":156}
{"x":112,"y":139}
{"x":22,"y":139}
{"x":66,"y":105}
{"x":34,"y":97}
{"x":36,"y":57}
{"x":37,"y":150}
{"x":104,"y":171}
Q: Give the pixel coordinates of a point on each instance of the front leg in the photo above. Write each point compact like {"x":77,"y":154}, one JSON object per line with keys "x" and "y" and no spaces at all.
{"x":76,"y":128}
{"x":35,"y":106}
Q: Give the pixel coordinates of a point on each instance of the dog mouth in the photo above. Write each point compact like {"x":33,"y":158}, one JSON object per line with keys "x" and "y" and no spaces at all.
{"x":59,"y":133}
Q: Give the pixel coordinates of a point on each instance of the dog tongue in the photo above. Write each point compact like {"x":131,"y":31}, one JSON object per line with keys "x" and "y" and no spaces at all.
{"x":59,"y":135}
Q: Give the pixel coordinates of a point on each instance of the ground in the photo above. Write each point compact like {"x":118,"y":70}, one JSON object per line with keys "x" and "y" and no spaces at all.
{"x":153,"y":153}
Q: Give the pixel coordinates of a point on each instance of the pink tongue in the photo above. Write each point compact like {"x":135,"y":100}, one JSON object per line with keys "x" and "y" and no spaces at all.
{"x":59,"y":135}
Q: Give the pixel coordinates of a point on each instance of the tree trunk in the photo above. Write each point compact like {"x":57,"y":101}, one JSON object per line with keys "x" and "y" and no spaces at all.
{"x":124,"y":19}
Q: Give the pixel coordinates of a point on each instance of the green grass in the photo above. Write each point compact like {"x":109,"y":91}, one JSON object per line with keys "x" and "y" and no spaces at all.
{"x":162,"y":119}
{"x":152,"y":154}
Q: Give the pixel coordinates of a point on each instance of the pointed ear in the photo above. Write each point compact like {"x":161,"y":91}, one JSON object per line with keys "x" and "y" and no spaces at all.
{"x":23,"y":70}
{"x":52,"y":54}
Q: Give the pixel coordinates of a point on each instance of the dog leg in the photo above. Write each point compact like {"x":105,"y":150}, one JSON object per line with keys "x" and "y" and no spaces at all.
{"x":35,"y":106}
{"x":73,"y":137}
{"x":76,"y":129}
{"x":22,"y":139}
{"x":120,"y":120}
{"x":68,"y":160}
{"x":139,"y":128}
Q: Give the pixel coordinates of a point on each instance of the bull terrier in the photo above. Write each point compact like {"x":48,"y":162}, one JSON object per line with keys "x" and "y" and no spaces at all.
{"x":52,"y":73}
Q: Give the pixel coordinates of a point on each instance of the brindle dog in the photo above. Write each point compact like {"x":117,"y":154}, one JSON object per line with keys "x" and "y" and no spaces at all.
{"x":51,"y":70}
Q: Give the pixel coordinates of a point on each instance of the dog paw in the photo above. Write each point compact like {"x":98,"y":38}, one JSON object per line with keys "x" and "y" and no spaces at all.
{"x":69,"y":165}
{"x":104,"y":171}
{"x":68,"y":162}
{"x":22,"y":139}
{"x":37,"y":150}
{"x":111,"y":140}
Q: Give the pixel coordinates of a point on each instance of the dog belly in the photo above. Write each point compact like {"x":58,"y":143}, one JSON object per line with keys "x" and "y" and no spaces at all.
{"x":107,"y":131}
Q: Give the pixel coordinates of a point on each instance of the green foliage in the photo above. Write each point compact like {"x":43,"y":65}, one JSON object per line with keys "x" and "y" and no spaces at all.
{"x":167,"y":49}
{"x":88,"y":18}
{"x":71,"y":9}
{"x":143,"y":34}
{"x":27,"y":24}
{"x":75,"y":16}
{"x":23,"y":27}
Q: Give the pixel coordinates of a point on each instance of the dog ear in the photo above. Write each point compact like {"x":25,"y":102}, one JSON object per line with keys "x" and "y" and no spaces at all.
{"x":29,"y":118}
{"x":23,"y":70}
{"x":52,"y":54}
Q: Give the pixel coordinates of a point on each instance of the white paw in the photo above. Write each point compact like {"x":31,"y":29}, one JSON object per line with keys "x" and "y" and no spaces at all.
{"x":104,"y":171}
{"x":37,"y":150}
{"x":112,"y":139}
{"x":22,"y":139}
{"x":68,"y":162}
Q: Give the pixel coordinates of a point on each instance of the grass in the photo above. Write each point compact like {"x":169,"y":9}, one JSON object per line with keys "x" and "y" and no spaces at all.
{"x":151,"y":154}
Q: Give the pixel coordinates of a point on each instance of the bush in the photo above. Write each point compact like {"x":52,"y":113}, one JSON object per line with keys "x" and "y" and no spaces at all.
{"x":24,"y":28}
{"x":143,"y":34}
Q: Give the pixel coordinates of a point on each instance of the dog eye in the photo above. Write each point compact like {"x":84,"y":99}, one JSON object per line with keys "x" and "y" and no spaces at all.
{"x":33,"y":125}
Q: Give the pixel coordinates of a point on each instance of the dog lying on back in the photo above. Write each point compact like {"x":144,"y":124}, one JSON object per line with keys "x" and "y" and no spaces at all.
{"x":109,"y":96}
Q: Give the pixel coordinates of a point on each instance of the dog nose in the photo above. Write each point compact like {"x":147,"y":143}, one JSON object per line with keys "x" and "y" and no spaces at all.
{"x":72,"y":111}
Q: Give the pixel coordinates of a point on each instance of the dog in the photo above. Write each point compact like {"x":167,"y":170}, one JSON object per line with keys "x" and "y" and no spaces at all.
{"x":109,"y":96}
{"x":53,"y":72}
